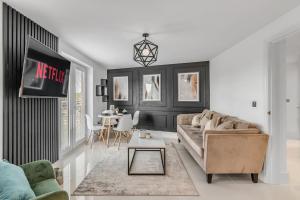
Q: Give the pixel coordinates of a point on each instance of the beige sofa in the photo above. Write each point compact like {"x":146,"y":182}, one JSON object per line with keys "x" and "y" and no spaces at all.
{"x":239,"y":149}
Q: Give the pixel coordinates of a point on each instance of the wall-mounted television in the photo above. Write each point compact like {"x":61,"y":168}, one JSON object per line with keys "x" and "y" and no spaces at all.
{"x":45,"y":72}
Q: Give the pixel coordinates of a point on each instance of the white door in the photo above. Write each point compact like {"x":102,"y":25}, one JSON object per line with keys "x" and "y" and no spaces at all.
{"x":79,"y":105}
{"x":277,"y":165}
{"x":72,"y":111}
{"x":65,"y":139}
{"x":293,"y":86}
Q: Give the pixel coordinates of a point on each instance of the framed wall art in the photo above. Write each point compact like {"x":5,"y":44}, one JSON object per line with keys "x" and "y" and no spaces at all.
{"x":151,"y":87}
{"x":188,"y":86}
{"x":120,"y":88}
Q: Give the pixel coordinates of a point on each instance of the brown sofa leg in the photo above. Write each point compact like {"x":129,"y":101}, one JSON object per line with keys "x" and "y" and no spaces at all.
{"x":209,"y":178}
{"x":254,"y":178}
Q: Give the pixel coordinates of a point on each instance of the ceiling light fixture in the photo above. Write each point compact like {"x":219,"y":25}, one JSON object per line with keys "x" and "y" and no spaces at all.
{"x":145,"y":52}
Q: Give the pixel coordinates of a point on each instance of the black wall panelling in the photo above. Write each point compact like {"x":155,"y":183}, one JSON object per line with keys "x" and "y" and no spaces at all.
{"x":161,"y":115}
{"x":30,"y":125}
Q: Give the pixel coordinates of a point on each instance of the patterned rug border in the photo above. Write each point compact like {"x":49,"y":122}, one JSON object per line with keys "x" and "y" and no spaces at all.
{"x":127,"y":195}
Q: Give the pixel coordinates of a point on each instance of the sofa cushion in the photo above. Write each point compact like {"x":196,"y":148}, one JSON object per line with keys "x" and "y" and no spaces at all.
{"x":225,"y":125}
{"x":229,"y":118}
{"x":209,"y":114}
{"x":13,"y":183}
{"x":238,"y":123}
{"x":216,"y":121}
{"x":204,"y":112}
{"x":203,"y":122}
{"x":193,"y":137}
{"x":185,"y":119}
{"x":196,"y":120}
{"x":46,"y":186}
{"x":217,"y":116}
{"x":210,"y":125}
{"x":241,"y":125}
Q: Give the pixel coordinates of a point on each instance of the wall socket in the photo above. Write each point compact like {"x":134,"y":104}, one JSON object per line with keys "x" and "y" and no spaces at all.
{"x":254,"y":104}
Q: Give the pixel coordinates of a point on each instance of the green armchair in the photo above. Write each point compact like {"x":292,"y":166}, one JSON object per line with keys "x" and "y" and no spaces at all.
{"x":41,"y":177}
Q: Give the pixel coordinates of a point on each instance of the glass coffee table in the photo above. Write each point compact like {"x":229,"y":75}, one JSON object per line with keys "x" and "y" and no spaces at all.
{"x":138,"y":144}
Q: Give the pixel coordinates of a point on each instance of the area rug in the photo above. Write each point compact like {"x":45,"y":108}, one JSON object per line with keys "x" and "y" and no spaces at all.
{"x":109,"y":177}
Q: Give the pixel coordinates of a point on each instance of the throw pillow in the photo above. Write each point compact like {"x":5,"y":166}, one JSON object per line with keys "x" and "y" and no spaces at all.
{"x":216,"y":121}
{"x":225,"y":125}
{"x":241,"y":125}
{"x":196,"y":120}
{"x":204,"y":112}
{"x":209,"y":114}
{"x":13,"y":183}
{"x":203,"y":122}
{"x":208,"y":125}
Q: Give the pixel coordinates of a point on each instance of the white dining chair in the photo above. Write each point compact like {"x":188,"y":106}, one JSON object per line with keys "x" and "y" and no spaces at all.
{"x":93,"y":129}
{"x":136,"y":118}
{"x":113,"y":122}
{"x":123,"y":129}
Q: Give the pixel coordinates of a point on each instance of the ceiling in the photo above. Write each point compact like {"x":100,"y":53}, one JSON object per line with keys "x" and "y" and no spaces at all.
{"x":185,"y":30}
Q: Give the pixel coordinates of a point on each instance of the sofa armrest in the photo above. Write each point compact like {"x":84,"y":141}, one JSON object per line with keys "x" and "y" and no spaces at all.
{"x":58,"y":195}
{"x":235,"y":153}
{"x":185,"y":119}
{"x":234,"y":131}
{"x":230,"y":131}
{"x":38,"y":171}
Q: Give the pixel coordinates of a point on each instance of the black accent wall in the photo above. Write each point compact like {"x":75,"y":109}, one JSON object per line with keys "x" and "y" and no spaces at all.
{"x":161,"y":115}
{"x":30,"y":125}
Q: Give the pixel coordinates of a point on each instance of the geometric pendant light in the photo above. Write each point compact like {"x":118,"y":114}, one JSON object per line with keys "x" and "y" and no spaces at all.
{"x":145,"y":52}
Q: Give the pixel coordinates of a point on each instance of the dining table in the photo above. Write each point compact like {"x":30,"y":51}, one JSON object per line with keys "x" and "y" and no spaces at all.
{"x":107,"y":121}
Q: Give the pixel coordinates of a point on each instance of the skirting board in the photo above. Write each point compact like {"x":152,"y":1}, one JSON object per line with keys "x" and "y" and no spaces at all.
{"x":293,"y":135}
{"x":282,"y":178}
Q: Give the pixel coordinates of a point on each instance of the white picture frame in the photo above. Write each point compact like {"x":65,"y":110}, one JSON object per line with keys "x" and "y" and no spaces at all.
{"x":120,"y":88}
{"x":188,"y":87}
{"x":151,"y":87}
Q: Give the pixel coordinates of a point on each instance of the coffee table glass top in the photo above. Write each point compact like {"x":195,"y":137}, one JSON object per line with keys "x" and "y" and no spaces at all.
{"x":153,"y":142}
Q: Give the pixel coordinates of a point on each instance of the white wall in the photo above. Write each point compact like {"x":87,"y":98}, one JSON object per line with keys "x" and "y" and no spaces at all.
{"x":293,"y":94}
{"x":1,"y":85}
{"x":94,"y":71}
{"x":237,"y":78}
{"x":239,"y":75}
